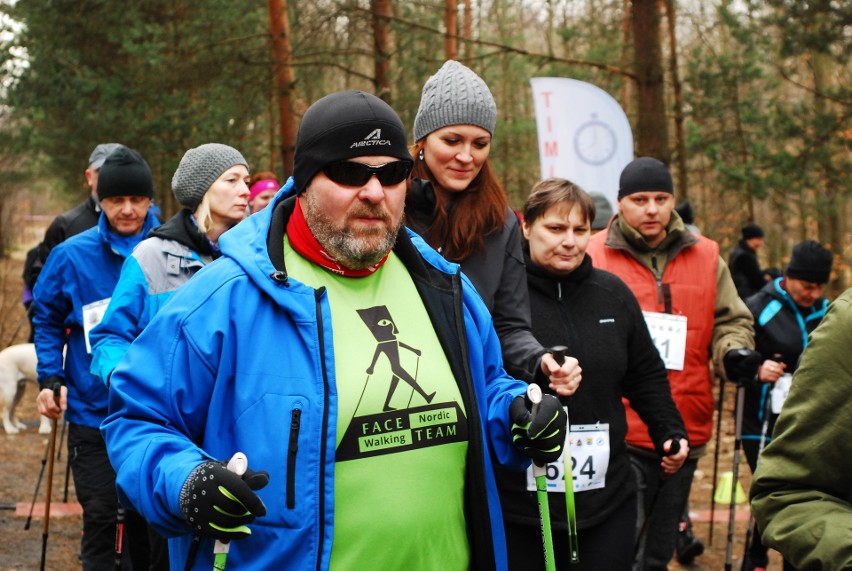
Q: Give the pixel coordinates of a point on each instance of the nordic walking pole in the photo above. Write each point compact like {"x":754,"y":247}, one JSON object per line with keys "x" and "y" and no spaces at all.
{"x":57,"y":390}
{"x":737,"y":443}
{"x":559,"y":353}
{"x":67,"y":475}
{"x":674,"y":448}
{"x":238,"y":464}
{"x":120,"y":515}
{"x":38,"y":484}
{"x":540,"y":473}
{"x":719,"y":410}
{"x":764,"y":428}
{"x":61,"y":440}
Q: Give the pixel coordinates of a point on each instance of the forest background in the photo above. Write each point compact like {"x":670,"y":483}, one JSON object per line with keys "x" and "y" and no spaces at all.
{"x":748,"y":101}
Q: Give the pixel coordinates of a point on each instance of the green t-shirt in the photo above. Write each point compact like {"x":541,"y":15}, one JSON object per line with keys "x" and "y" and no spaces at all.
{"x":401,"y":430}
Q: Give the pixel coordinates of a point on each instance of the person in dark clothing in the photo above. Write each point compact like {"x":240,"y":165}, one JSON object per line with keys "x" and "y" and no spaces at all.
{"x":79,"y":219}
{"x":594,"y":312}
{"x":457,"y":205}
{"x":785,"y":311}
{"x":69,"y":223}
{"x":745,"y":268}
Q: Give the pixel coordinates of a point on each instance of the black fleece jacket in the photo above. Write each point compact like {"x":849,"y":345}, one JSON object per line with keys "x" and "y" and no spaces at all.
{"x":595,"y":314}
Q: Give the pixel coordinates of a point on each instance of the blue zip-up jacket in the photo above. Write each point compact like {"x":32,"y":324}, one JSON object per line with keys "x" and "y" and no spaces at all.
{"x":199,"y":384}
{"x":780,"y":327}
{"x":82,"y":270}
{"x":149,"y":277}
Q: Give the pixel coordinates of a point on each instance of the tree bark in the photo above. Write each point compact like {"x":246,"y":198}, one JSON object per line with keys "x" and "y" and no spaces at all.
{"x":681,"y":188}
{"x":381,"y":10}
{"x":451,"y":20}
{"x":652,"y":131}
{"x":282,"y":63}
{"x":468,"y":33}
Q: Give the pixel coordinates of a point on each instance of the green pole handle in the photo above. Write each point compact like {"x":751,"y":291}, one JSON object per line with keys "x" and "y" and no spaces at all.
{"x":540,"y":473}
{"x":559,"y":353}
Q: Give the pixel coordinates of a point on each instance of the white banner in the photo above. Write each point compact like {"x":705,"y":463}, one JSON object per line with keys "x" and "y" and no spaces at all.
{"x":583,"y":134}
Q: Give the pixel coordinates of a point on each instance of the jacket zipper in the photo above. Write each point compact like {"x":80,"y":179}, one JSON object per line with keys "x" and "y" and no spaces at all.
{"x":658,"y":279}
{"x":323,"y":436}
{"x":476,"y":504}
{"x":295,"y":422}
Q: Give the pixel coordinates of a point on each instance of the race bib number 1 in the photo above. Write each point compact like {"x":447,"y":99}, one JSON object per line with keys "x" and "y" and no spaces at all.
{"x":669,"y":335}
{"x":589,"y":444}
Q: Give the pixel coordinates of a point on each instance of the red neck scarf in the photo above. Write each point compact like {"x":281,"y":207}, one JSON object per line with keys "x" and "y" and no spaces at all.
{"x":307,"y":246}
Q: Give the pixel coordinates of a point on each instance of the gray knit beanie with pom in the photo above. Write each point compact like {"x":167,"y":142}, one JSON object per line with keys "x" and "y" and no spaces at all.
{"x":454,"y":96}
{"x":198,"y":170}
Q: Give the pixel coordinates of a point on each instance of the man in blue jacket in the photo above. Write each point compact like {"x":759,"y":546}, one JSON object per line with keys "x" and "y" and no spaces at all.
{"x":357,"y":370}
{"x":71,"y":294}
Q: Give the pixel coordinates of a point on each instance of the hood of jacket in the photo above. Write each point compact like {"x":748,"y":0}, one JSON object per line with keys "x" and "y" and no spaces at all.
{"x":183,"y":230}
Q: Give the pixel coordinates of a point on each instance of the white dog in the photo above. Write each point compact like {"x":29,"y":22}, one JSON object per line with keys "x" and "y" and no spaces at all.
{"x":17,"y":366}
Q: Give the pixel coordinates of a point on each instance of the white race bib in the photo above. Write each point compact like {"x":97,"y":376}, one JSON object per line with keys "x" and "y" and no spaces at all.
{"x":668,"y":333}
{"x":92,"y":315}
{"x":589,"y":445}
{"x":779,"y":392}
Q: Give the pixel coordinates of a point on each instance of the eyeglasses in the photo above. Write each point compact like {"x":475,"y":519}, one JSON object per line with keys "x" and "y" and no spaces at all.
{"x":351,"y":173}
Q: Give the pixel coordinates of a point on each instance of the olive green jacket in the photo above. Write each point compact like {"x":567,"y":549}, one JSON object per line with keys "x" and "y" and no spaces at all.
{"x":801,"y":494}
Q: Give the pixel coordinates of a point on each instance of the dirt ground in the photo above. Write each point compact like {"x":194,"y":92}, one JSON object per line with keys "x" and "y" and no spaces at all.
{"x":22,"y":457}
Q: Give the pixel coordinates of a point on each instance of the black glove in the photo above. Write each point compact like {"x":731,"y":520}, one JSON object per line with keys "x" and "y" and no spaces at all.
{"x":218,"y":503}
{"x":540,"y":438}
{"x":741,"y":365}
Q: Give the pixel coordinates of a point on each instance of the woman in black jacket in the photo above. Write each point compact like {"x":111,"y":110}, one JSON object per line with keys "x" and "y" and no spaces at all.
{"x":457,"y":204}
{"x":594,"y":313}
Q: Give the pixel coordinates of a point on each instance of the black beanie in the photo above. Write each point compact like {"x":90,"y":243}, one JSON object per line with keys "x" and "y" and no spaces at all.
{"x":125,"y":173}
{"x":645,"y":174}
{"x":342,"y":126}
{"x":810,"y":262}
{"x":752,"y":231}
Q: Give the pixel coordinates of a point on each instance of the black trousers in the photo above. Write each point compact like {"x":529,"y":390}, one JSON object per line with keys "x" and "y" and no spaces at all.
{"x":608,"y":545}
{"x":663,"y":501}
{"x":94,"y":483}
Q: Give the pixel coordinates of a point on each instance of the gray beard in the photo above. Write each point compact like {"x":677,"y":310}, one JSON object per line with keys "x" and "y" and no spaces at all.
{"x":354,"y":252}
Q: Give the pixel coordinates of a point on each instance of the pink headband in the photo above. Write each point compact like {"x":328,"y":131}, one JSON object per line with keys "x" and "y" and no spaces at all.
{"x":261,"y":185}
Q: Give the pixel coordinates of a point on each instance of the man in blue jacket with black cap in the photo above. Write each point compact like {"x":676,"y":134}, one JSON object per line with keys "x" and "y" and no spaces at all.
{"x":357,"y":371}
{"x":71,"y":295}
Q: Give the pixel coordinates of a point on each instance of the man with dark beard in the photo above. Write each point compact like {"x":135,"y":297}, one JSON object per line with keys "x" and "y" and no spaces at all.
{"x":362,"y":471}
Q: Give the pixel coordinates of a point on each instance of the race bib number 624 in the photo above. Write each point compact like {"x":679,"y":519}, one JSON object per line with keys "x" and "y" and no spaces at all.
{"x":589,"y":445}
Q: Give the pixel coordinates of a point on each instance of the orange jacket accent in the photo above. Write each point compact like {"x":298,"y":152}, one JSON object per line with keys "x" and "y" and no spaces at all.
{"x":687,"y":287}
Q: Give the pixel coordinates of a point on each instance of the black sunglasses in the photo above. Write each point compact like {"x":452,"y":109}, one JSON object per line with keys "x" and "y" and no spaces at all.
{"x":350,"y":173}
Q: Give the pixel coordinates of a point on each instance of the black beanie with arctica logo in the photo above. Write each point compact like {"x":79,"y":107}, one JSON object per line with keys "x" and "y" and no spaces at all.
{"x":342,"y":126}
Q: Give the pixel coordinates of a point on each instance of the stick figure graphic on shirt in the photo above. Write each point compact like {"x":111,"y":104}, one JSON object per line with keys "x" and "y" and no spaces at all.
{"x":380,"y":323}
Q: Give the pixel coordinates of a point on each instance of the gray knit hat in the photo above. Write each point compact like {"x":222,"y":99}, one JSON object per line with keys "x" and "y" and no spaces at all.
{"x":454,"y":96}
{"x":199,"y":168}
